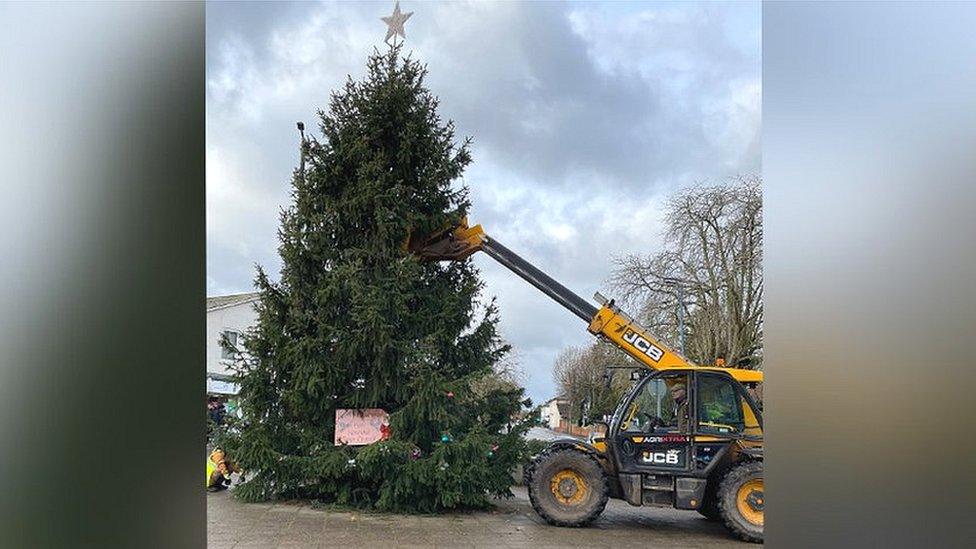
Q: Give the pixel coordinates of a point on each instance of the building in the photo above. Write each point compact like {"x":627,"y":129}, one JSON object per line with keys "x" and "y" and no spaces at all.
{"x":554,"y":412}
{"x":230,"y":316}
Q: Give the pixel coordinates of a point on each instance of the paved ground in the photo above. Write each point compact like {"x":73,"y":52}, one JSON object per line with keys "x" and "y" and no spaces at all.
{"x":511,"y":524}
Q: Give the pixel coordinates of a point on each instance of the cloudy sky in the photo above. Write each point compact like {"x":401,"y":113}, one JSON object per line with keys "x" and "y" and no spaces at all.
{"x":585,"y":118}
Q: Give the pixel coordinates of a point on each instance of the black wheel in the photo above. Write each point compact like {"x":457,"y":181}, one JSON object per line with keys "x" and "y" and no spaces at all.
{"x":568,"y":487}
{"x":741,"y":500}
{"x":709,"y":505}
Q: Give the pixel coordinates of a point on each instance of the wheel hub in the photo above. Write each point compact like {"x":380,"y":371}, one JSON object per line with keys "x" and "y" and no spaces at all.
{"x":755,"y":500}
{"x":567,"y":488}
{"x":750,"y":501}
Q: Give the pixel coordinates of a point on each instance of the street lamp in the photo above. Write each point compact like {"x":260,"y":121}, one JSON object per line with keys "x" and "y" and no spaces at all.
{"x":679,"y":284}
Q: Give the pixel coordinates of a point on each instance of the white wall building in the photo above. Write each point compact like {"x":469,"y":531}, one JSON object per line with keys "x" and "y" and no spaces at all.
{"x":231,"y":315}
{"x":553,"y":411}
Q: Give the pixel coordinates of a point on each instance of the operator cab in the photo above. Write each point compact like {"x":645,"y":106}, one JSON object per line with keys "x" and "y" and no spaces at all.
{"x":672,"y":428}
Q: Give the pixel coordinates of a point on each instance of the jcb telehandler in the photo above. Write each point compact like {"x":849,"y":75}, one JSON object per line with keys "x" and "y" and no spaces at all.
{"x":684,"y":435}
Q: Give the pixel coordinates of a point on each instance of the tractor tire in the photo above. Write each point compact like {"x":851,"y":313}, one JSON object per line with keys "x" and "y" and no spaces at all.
{"x":568,"y":487}
{"x":741,"y":500}
{"x":709,"y":505}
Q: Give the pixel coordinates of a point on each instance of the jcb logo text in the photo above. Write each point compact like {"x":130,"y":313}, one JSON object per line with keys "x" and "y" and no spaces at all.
{"x":643,"y":345}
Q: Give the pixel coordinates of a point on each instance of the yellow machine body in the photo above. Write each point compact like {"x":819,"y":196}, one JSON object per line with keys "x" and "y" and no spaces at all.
{"x":623,"y":331}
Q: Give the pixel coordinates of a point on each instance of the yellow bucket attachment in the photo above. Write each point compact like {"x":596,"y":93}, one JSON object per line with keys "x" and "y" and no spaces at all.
{"x":447,"y":244}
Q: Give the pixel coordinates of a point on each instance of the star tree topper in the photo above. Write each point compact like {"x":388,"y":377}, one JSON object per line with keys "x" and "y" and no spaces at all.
{"x":395,"y":23}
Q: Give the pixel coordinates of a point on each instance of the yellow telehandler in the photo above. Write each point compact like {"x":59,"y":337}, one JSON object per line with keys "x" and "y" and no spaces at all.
{"x":684,"y":435}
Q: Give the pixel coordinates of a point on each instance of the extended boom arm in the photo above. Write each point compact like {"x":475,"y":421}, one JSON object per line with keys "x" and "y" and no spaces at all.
{"x":607,"y":321}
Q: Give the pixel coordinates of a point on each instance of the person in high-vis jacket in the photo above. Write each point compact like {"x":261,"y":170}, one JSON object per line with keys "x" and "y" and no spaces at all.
{"x":219,"y":469}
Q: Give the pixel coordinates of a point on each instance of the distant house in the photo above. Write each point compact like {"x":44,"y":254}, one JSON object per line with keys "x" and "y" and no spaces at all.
{"x":229,"y":315}
{"x":555,"y":411}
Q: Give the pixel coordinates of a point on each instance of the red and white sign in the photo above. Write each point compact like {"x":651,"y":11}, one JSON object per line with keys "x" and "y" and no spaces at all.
{"x":359,"y":427}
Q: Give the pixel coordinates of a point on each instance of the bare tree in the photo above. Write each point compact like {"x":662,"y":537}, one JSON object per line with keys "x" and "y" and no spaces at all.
{"x":585,"y":378}
{"x":712,"y":261}
{"x":507,"y":375}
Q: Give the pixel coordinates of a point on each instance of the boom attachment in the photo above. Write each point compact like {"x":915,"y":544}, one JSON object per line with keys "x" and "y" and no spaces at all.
{"x":448,"y":244}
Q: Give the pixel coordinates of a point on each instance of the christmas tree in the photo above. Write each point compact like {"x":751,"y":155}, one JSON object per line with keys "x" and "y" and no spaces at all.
{"x":355,"y":322}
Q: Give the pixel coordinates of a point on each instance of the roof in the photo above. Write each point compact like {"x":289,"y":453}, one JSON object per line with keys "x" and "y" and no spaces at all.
{"x":557,"y":399}
{"x":222,"y":301}
{"x":741,"y":375}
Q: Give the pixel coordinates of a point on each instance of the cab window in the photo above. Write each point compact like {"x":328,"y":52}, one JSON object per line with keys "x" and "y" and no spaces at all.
{"x":719,"y":406}
{"x":660,"y":406}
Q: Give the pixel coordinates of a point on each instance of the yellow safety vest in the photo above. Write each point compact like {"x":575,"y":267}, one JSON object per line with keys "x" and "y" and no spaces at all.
{"x":211,"y":467}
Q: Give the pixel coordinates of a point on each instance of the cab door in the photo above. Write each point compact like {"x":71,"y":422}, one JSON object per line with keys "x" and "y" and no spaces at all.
{"x":724,"y":413}
{"x":653,"y":433}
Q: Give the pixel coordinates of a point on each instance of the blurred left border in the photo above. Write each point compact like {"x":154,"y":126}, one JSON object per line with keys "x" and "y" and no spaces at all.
{"x":102,"y":274}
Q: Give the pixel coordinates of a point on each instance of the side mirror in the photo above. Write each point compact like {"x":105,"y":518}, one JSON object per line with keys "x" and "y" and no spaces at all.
{"x":636,"y":375}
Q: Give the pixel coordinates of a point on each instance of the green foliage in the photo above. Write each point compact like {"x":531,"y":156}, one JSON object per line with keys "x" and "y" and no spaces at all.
{"x":533,"y":448}
{"x":354,"y":322}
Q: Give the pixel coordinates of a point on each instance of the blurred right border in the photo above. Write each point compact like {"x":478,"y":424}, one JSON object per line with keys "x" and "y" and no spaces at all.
{"x":869,"y":116}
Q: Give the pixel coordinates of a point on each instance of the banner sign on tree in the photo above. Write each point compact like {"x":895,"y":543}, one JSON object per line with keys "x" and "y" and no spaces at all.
{"x":359,"y":427}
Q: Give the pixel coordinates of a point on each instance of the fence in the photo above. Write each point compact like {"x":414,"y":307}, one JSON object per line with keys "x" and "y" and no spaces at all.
{"x":575,"y":430}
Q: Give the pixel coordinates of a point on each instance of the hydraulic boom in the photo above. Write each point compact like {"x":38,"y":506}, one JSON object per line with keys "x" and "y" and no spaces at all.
{"x":607,"y":321}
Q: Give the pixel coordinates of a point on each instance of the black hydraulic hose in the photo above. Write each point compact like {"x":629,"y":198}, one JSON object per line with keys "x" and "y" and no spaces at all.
{"x":563,"y":295}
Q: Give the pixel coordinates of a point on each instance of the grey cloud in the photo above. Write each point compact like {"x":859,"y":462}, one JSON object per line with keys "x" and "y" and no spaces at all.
{"x":584,"y":117}
{"x":530,"y":92}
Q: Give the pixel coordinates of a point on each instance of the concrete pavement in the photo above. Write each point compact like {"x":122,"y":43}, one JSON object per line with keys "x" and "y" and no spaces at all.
{"x":512,"y":524}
